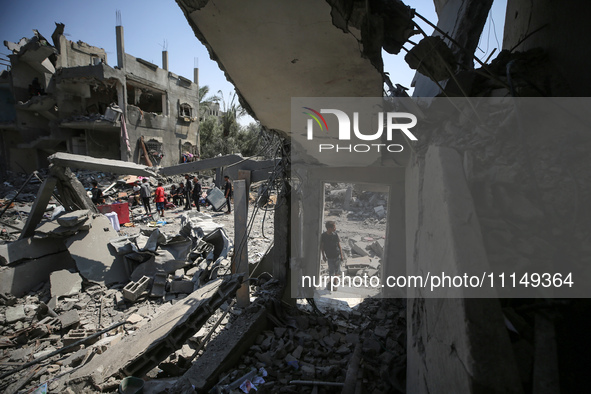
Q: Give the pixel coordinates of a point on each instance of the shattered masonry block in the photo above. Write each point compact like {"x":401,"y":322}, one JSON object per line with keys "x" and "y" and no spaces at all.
{"x":76,"y":335}
{"x":69,"y":318}
{"x":181,"y":286}
{"x":52,"y":323}
{"x":15,"y":313}
{"x":71,"y":219}
{"x":119,"y":300}
{"x":159,"y":285}
{"x":133,"y":290}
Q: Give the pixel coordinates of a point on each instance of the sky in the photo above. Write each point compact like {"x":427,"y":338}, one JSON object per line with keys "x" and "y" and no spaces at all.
{"x":153,"y":25}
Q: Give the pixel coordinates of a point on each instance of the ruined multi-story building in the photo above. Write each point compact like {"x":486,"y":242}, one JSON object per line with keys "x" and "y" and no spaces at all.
{"x":65,"y":97}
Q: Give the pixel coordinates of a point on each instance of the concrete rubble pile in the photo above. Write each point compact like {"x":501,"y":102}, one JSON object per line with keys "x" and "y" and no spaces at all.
{"x":78,"y":288}
{"x":303,"y":348}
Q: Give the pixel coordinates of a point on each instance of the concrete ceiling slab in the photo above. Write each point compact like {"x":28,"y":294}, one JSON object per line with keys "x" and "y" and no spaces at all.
{"x":275,"y":50}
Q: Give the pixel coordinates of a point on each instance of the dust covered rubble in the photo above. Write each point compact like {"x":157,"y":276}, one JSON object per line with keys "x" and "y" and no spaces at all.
{"x":74,"y":300}
{"x":306,"y":344}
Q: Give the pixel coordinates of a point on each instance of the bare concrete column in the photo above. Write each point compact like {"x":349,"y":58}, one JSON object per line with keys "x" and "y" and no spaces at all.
{"x":121,"y":101}
{"x":120,"y":47}
{"x":240,"y":261}
{"x":165,"y":60}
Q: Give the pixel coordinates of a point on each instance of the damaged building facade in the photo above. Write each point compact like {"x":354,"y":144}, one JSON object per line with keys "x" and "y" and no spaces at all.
{"x":63,"y":96}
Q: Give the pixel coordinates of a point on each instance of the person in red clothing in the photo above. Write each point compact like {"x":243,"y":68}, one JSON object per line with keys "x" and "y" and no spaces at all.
{"x":159,"y":199}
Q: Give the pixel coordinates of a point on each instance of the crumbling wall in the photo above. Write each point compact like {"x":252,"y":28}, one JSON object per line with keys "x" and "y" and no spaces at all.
{"x":455,"y":345}
{"x":165,"y":124}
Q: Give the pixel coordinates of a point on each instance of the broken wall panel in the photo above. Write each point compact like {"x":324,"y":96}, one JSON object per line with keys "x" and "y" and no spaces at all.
{"x":225,"y":350}
{"x":28,"y":275}
{"x":140,"y":352}
{"x":473,"y":329}
{"x":94,"y":259}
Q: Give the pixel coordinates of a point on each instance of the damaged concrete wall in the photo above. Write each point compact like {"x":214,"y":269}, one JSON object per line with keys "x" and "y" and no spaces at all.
{"x":166,"y":124}
{"x":472,"y":331}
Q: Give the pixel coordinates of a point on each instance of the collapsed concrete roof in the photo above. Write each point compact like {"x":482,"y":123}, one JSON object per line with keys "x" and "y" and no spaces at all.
{"x":273,"y":51}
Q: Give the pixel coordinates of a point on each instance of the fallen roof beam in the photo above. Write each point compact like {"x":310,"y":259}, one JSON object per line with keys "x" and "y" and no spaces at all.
{"x":201,"y":165}
{"x":95,"y":164}
{"x":43,"y":196}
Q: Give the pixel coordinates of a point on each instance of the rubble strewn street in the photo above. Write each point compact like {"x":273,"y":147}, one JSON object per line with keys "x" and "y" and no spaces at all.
{"x":77,"y":276}
{"x":138,"y":297}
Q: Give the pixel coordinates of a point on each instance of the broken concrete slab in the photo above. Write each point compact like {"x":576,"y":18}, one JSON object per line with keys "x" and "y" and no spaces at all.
{"x":358,"y":247}
{"x":64,"y":283}
{"x":69,"y":318}
{"x":94,"y":259}
{"x":157,"y":264}
{"x":362,"y":262}
{"x":72,"y":219}
{"x":124,"y":245}
{"x":207,"y":164}
{"x":32,"y":248}
{"x":378,"y":247}
{"x":225,"y":350}
{"x":168,"y":330}
{"x":26,"y":276}
{"x":15,"y":313}
{"x":181,"y":286}
{"x":159,"y":285}
{"x":52,"y":229}
{"x":96,"y":164}
{"x":43,"y":196}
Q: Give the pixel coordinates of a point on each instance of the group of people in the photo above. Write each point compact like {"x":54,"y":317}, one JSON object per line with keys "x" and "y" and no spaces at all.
{"x":187,"y":193}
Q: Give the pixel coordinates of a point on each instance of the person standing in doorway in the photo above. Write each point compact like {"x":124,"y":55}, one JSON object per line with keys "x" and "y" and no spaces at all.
{"x":188,"y":192}
{"x":228,"y":193}
{"x":196,"y":192}
{"x":159,"y":199}
{"x":330,"y":247}
{"x":145,"y":193}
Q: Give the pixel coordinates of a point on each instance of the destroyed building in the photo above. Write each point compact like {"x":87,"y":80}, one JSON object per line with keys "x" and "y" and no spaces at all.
{"x":463,"y":197}
{"x":66,"y":96}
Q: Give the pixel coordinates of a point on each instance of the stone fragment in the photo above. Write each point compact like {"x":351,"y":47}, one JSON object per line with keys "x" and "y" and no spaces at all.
{"x":69,"y":318}
{"x":134,"y":318}
{"x":72,"y":219}
{"x":181,"y":286}
{"x":65,"y":283}
{"x":159,"y":285}
{"x":15,"y":313}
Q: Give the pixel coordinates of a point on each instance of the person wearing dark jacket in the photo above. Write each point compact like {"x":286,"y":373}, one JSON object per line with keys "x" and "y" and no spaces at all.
{"x":97,"y":194}
{"x":196,"y":192}
{"x":188,"y":192}
{"x":228,"y":192}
